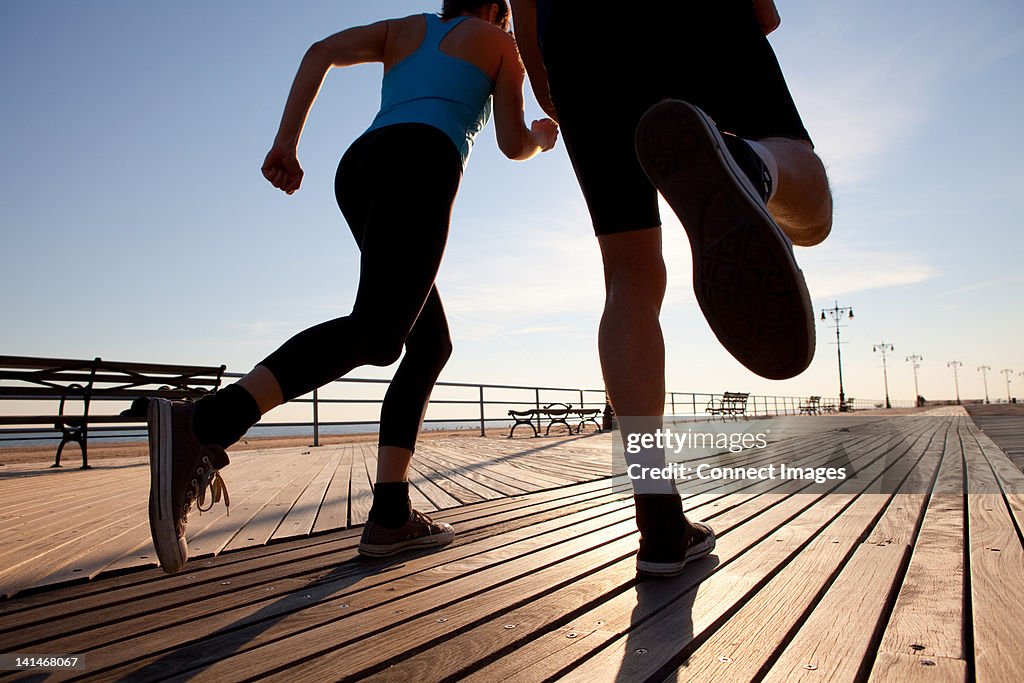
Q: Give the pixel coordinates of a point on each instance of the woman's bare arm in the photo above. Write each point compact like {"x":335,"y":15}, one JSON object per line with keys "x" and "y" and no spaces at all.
{"x":352,"y":46}
{"x":515,"y":140}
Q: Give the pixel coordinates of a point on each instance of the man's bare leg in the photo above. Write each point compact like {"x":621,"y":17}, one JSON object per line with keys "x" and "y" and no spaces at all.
{"x":630,"y":341}
{"x":802,"y":204}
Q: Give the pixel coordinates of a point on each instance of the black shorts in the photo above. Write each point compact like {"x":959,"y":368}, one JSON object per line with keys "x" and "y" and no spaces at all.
{"x":606,"y":68}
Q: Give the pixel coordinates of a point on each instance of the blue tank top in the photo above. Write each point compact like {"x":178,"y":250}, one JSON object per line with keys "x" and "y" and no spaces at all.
{"x":437,"y":89}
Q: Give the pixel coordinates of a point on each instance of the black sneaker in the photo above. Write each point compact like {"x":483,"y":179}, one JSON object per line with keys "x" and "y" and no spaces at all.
{"x":668,"y":541}
{"x":745,"y":277}
{"x":419,"y":531}
{"x":181,"y":471}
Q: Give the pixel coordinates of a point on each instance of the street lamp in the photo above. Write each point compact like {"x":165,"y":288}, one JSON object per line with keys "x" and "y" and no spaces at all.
{"x":983,"y":369}
{"x":837,"y":313}
{"x":956,"y":379}
{"x":884,"y":348}
{"x":1008,"y":372}
{"x":915,"y":361}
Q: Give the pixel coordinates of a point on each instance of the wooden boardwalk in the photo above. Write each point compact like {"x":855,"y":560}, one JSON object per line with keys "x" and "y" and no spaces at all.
{"x":1004,"y":424}
{"x":58,"y":526}
{"x":895,"y":577}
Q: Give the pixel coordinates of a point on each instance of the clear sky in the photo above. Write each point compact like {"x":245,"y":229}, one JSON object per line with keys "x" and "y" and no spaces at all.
{"x":136,"y":224}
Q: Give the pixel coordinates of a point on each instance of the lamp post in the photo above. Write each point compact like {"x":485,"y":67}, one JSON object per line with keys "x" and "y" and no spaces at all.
{"x":884,"y":348}
{"x":983,"y":369}
{"x":915,"y":361}
{"x":837,"y":313}
{"x":956,"y":379}
{"x":1008,"y":372}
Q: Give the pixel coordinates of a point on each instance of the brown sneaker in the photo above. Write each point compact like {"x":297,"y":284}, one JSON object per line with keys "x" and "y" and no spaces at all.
{"x":181,"y":471}
{"x":745,"y":277}
{"x":419,"y":532}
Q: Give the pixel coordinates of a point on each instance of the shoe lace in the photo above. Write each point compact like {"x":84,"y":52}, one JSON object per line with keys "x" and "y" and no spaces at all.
{"x":210,"y":480}
{"x":418,"y":516}
{"x":207,"y":479}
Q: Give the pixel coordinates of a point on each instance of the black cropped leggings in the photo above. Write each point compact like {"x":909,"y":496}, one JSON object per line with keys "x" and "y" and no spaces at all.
{"x":395,"y":187}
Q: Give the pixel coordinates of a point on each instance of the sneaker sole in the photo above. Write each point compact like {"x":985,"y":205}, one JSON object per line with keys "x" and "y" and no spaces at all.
{"x":745,"y":278}
{"x":675,"y":568}
{"x":434,"y":541}
{"x":171,"y":551}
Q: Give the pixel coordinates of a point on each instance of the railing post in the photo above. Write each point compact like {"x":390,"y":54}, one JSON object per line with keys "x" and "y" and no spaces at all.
{"x":673,"y":397}
{"x":536,"y":396}
{"x":316,"y":420}
{"x":694,"y":397}
{"x":483,"y":431}
{"x":582,"y":406}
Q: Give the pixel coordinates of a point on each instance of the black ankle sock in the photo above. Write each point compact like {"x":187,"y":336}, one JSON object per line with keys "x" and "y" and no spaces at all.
{"x":225,"y":416}
{"x":391,"y":506}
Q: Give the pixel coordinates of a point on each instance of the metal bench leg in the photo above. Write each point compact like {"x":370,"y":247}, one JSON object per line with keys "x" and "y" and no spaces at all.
{"x":521,"y":423}
{"x":84,"y":443}
{"x":56,"y":461}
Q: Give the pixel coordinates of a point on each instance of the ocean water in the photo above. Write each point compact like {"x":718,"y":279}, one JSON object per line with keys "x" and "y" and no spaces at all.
{"x":22,"y":439}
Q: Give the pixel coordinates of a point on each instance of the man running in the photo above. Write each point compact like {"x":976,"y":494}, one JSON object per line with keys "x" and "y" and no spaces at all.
{"x":685,"y":98}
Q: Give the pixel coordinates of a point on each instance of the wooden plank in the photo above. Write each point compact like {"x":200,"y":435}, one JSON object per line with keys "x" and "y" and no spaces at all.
{"x":744,"y":556}
{"x":355,"y":659}
{"x":186,"y":595}
{"x":439,"y":497}
{"x":441,"y":479}
{"x":497,"y":471}
{"x":836,"y":638}
{"x":478,"y":471}
{"x":210,"y":532}
{"x":928,"y":617}
{"x":456,"y":656}
{"x":334,"y":509}
{"x":360,"y":487}
{"x":133,"y":539}
{"x":738,"y":649}
{"x":996,"y":572}
{"x":530,"y":478}
{"x":300,"y":519}
{"x":297,"y":631}
{"x":902,"y":668}
{"x":489,"y":517}
{"x":1008,"y":476}
{"x":784,"y":524}
{"x":900,"y":524}
{"x":467,"y":476}
{"x":760,"y":622}
{"x":456,"y":476}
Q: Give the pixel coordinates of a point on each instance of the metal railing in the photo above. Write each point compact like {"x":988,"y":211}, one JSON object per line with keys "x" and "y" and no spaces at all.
{"x":490,"y":404}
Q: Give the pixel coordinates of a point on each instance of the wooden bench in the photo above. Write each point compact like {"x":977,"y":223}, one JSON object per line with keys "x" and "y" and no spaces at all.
{"x":732,"y":403}
{"x":555,"y":413}
{"x":80,"y":383}
{"x":812,"y":406}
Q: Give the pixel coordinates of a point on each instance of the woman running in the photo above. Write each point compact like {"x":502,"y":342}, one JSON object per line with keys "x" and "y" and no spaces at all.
{"x":395,"y":186}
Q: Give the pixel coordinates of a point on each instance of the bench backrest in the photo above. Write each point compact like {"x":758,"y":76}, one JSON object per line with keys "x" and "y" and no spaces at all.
{"x":27,"y":378}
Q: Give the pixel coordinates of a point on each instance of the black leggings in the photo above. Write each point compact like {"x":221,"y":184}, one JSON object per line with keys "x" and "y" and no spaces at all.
{"x":395,"y":187}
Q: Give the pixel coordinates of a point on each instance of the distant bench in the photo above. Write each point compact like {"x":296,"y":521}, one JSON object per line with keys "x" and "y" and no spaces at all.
{"x":812,"y":406}
{"x":555,"y":413}
{"x":80,"y":382}
{"x":731,"y":403}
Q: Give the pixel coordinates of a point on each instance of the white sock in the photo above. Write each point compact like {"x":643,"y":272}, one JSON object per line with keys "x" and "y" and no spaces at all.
{"x":769,"y":160}
{"x":647,"y":459}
